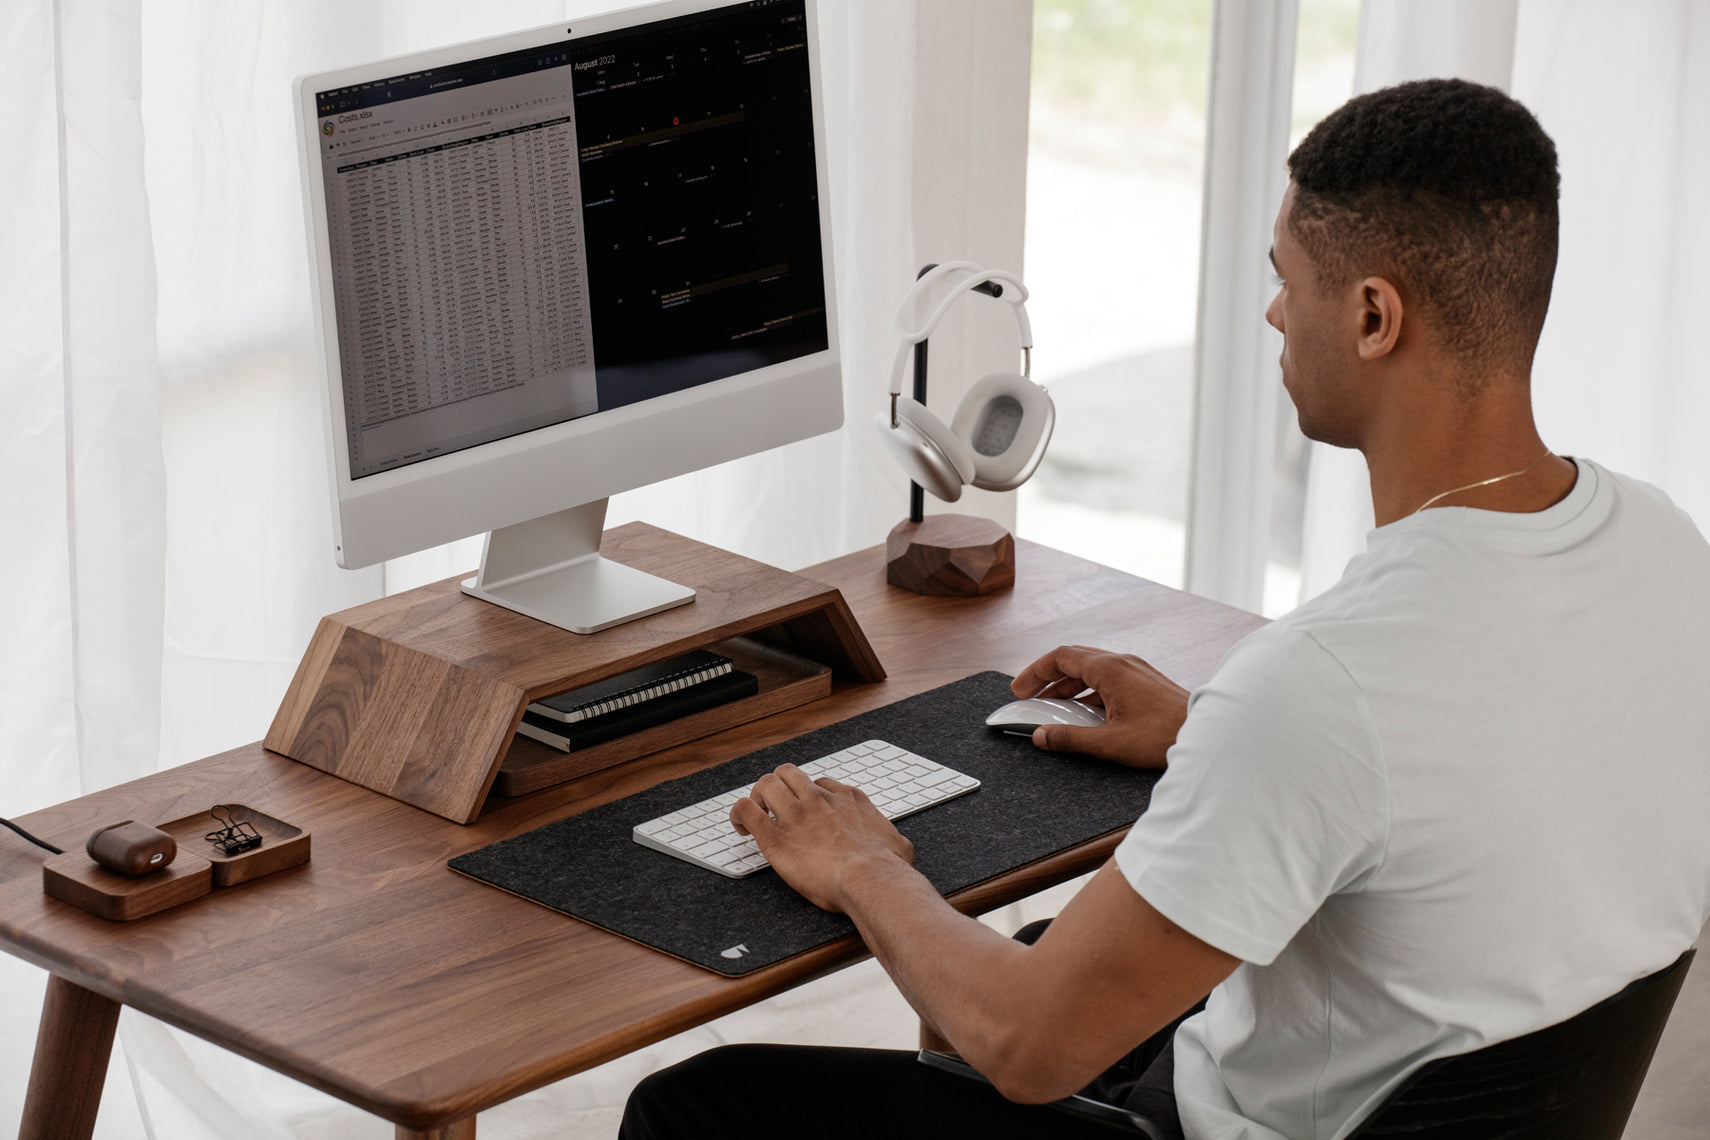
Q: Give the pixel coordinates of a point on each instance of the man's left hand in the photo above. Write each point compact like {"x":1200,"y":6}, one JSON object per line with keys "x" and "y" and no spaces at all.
{"x":813,"y":831}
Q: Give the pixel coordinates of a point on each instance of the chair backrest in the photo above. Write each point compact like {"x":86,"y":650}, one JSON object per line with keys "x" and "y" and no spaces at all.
{"x":1576,"y":1080}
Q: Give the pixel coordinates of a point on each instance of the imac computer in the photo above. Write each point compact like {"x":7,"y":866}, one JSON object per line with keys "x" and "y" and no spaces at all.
{"x":560,"y":264}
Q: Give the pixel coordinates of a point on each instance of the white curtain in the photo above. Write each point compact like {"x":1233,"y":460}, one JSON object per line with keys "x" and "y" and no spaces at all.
{"x":1621,"y":373}
{"x":1623,"y":90}
{"x":163,"y":481}
{"x":1237,"y":380}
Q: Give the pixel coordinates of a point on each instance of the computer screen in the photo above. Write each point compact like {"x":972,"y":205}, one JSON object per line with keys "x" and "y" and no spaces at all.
{"x":550,"y":263}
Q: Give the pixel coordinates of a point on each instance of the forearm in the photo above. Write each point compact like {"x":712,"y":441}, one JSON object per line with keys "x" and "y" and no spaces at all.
{"x":965,"y":980}
{"x":1039,"y":1021}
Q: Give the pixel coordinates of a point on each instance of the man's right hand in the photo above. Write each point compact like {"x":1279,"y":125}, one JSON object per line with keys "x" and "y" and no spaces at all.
{"x":1143,"y":708}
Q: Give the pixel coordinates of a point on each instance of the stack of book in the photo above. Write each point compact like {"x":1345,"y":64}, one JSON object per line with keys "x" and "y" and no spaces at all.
{"x":641,"y":698}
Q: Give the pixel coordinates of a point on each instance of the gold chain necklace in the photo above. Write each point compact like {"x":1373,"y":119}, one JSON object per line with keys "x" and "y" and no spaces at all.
{"x":1480,"y":483}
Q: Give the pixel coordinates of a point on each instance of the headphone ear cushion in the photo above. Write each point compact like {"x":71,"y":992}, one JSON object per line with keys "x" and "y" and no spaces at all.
{"x":1005,"y":421}
{"x":927,"y":449}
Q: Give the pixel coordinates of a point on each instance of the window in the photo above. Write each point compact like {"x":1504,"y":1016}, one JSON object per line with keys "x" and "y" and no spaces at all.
{"x":1115,"y":159}
{"x":1115,"y":168}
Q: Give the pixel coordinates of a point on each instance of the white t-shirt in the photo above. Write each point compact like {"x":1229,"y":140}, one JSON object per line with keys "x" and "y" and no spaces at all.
{"x":1461,"y":796}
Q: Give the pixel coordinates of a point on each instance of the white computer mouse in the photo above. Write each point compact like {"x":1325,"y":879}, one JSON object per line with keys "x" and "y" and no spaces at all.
{"x":1022,"y":717}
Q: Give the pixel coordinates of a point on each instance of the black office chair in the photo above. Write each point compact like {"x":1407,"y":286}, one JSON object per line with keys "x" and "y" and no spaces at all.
{"x":1575,"y":1080}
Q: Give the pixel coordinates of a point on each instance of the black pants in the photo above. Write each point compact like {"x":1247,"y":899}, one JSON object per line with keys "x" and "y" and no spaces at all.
{"x":753,"y":1092}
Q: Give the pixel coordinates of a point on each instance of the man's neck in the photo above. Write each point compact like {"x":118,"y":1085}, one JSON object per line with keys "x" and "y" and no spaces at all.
{"x":1438,"y":447}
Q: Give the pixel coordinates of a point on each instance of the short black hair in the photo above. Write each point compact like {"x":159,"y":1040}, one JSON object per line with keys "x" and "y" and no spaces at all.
{"x":1448,"y":189}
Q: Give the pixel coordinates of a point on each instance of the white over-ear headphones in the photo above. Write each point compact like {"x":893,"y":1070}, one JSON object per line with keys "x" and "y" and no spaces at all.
{"x":1000,"y":429}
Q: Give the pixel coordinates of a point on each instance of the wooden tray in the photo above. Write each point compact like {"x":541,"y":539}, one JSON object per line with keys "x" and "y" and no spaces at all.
{"x":75,"y":878}
{"x":282,"y":845}
{"x":197,"y":869}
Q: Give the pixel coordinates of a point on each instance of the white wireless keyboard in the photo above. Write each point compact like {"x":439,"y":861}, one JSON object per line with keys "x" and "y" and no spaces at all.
{"x":897,"y":781}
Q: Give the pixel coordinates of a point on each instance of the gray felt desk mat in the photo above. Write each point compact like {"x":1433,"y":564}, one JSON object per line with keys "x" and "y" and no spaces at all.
{"x":1030,"y":804}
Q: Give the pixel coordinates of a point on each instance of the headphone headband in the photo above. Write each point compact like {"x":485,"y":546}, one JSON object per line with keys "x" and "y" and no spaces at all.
{"x":974,"y":276}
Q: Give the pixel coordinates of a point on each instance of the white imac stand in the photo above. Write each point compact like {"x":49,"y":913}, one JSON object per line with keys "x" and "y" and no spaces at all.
{"x":550,"y":569}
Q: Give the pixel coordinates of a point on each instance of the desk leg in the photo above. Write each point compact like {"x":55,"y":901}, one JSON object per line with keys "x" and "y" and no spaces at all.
{"x":462,"y":1130}
{"x":73,"y":1045}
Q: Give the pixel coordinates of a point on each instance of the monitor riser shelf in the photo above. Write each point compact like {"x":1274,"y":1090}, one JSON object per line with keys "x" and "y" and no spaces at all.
{"x":418,"y":696}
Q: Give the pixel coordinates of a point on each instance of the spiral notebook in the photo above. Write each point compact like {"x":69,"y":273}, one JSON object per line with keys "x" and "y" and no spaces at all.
{"x":667,"y":706}
{"x":633,"y":687}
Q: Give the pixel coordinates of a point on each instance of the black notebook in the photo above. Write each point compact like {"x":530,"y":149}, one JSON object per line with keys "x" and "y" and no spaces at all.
{"x":633,"y":687}
{"x":729,"y":686}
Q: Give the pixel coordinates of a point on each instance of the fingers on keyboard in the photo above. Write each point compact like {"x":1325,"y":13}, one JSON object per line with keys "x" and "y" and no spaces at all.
{"x":896,"y":781}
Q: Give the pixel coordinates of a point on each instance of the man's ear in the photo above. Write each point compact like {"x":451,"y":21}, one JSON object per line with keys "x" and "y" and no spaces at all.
{"x":1380,"y":317}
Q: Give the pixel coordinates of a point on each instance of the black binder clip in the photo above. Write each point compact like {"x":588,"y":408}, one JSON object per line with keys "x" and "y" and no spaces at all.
{"x":236,"y":837}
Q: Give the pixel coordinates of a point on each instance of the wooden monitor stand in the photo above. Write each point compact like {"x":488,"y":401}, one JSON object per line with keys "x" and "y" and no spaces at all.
{"x":418,"y":696}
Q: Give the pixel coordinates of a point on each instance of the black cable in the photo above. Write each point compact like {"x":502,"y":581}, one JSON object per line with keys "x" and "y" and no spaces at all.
{"x":31,"y":838}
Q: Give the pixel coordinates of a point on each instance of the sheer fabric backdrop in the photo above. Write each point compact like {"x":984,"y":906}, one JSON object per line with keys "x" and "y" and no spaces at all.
{"x":163,"y":480}
{"x":1618,"y":376}
{"x":1621,"y":373}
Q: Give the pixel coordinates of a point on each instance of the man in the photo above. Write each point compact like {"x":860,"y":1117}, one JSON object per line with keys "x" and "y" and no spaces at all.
{"x":1457,"y":798}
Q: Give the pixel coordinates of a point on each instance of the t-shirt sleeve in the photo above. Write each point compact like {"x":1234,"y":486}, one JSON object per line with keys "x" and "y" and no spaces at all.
{"x":1274,"y":799}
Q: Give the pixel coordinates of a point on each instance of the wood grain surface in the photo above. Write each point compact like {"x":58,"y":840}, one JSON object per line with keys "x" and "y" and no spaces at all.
{"x":376,"y":974}
{"x":460,"y":1130}
{"x":419,"y":695}
{"x":77,"y":879}
{"x":958,"y":556}
{"x":282,"y":844}
{"x":72,"y":1048}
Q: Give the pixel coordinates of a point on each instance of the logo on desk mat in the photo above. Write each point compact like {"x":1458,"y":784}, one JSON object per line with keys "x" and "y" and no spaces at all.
{"x":736,"y":951}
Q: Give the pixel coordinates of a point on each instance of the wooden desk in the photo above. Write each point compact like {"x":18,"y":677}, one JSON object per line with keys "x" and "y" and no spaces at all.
{"x":377,"y":975}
